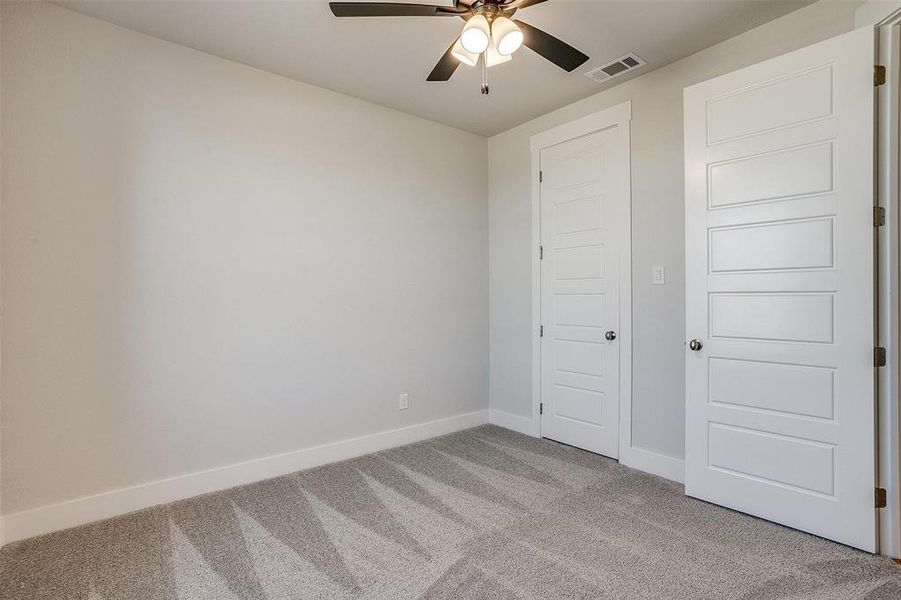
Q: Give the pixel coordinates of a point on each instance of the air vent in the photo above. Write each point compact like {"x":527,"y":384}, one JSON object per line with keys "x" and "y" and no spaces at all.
{"x":615,"y":68}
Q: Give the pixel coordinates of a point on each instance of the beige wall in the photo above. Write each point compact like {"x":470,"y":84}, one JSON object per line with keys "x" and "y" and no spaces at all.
{"x":658,"y":225}
{"x":204,"y":263}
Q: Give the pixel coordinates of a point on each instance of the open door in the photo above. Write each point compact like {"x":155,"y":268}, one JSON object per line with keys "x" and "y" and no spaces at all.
{"x":779,"y":171}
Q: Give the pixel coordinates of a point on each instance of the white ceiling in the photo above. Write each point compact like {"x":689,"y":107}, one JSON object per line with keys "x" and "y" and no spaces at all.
{"x":386,"y":60}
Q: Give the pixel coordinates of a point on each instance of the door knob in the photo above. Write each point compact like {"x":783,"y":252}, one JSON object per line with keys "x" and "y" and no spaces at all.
{"x":610,"y":335}
{"x":695,"y":345}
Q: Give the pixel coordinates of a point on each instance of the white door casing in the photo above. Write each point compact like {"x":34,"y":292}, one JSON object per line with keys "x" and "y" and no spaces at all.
{"x":888,"y":105}
{"x":779,"y":164}
{"x":584,"y":225}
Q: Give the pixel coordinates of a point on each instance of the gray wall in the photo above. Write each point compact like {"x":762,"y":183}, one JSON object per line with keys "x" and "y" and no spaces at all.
{"x":658,"y":225}
{"x":204,"y":263}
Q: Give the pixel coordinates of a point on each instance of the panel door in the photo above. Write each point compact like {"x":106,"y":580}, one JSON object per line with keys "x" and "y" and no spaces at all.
{"x":582,"y":205}
{"x":779,"y":290}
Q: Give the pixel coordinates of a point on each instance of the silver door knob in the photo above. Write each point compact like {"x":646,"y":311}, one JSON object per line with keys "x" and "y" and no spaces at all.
{"x":610,"y":335}
{"x":695,"y":345}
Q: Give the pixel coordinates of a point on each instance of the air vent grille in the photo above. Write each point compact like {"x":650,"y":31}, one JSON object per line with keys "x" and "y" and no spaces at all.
{"x":615,"y":68}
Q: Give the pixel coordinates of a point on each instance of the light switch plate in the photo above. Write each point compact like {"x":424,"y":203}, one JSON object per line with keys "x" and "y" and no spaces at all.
{"x":403,"y":401}
{"x":658,"y":275}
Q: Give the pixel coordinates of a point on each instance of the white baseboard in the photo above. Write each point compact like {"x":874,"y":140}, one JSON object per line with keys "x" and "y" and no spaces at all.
{"x":653,"y":463}
{"x":515,"y":422}
{"x":637,"y":458}
{"x":45,"y":519}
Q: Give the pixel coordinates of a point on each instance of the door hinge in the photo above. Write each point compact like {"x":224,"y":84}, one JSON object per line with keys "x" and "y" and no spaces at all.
{"x":541,"y":331}
{"x":879,"y":356}
{"x":878,"y":216}
{"x":879,"y":75}
{"x":540,"y":176}
{"x":541,"y":408}
{"x":881,"y":500}
{"x":540,"y":252}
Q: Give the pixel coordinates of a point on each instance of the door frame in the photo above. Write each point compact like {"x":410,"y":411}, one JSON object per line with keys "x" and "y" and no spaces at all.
{"x":619,"y":116}
{"x":888,"y":276}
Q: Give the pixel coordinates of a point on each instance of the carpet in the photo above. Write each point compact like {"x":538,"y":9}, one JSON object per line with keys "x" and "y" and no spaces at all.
{"x":484,"y":513}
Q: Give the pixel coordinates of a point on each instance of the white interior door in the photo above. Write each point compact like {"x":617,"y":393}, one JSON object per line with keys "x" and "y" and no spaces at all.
{"x":584,"y":207}
{"x":779,"y":290}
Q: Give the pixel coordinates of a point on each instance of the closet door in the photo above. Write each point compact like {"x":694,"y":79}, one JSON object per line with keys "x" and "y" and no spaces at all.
{"x":779,"y":170}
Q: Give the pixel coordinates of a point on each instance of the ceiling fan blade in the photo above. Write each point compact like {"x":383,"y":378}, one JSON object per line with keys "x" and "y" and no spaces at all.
{"x":390,"y":9}
{"x":445,"y":67}
{"x":557,"y":51}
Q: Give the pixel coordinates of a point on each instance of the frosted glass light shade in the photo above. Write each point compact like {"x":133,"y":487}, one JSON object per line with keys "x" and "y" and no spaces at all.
{"x":506,"y":36}
{"x":463,"y":55}
{"x":493,"y":57}
{"x":476,"y":34}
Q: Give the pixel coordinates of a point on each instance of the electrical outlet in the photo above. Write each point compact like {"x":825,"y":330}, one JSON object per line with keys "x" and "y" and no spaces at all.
{"x":403,"y":401}
{"x":658,"y":275}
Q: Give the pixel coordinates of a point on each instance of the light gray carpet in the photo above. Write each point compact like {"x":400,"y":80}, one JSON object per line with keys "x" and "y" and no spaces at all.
{"x":485,"y":513}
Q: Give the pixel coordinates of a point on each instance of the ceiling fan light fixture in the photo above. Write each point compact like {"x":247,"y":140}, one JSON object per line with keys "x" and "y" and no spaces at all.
{"x":506,"y":36}
{"x":493,"y":57}
{"x":463,"y":55}
{"x":476,"y":34}
{"x":489,"y":37}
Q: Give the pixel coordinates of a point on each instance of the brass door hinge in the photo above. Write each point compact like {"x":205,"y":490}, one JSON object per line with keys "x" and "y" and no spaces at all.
{"x":540,"y":176}
{"x":881,"y":500}
{"x":879,"y":75}
{"x":541,"y":408}
{"x":878,"y":216}
{"x":879,"y":358}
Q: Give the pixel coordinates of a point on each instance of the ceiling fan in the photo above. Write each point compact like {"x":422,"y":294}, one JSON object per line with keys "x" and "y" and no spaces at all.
{"x":489,"y":37}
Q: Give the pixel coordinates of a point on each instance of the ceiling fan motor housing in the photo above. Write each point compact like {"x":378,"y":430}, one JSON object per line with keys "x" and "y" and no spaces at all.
{"x":489,"y":8}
